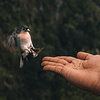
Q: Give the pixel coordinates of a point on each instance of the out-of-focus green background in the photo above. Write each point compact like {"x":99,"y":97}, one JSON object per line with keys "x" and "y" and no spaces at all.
{"x":62,"y":27}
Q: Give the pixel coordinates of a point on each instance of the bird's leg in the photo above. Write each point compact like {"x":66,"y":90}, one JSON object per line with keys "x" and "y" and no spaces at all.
{"x":36,"y":48}
{"x":25,"y":53}
{"x":34,"y":54}
{"x":40,"y":50}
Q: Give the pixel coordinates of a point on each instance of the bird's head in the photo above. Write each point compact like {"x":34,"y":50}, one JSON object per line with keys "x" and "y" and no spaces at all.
{"x":24,"y":28}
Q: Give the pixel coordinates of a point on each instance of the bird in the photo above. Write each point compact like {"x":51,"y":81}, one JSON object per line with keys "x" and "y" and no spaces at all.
{"x":21,"y":38}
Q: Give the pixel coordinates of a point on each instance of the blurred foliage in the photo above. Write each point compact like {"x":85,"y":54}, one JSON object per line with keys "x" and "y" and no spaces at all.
{"x":62,"y":27}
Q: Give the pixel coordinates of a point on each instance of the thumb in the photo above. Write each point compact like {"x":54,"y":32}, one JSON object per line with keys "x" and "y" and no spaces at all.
{"x":83,"y":55}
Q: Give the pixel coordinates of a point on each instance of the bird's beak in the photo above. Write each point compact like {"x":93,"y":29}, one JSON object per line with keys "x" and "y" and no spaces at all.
{"x":28,"y":30}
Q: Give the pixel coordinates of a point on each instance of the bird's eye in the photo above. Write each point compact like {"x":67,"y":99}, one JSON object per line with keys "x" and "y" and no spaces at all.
{"x":24,"y":28}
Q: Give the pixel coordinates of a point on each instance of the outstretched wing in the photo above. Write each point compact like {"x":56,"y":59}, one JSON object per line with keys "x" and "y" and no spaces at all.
{"x":10,"y":40}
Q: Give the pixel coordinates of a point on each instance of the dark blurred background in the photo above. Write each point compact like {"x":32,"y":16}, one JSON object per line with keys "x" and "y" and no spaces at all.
{"x":62,"y":27}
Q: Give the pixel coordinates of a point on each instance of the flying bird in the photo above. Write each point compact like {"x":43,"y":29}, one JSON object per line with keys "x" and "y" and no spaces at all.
{"x":21,"y":38}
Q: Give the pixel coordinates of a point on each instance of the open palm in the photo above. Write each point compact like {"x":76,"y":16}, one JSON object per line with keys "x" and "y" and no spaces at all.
{"x":83,"y":71}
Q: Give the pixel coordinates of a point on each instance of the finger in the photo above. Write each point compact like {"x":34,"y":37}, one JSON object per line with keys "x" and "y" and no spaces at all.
{"x":44,"y":63}
{"x":55,"y":59}
{"x":68,"y":59}
{"x":83,"y":55}
{"x":57,"y":69}
{"x":46,"y":58}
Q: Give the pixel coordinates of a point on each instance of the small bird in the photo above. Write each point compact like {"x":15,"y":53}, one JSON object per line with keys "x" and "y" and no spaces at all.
{"x":22,"y":39}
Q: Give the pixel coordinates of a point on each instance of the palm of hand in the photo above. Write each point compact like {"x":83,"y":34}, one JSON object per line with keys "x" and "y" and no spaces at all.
{"x":83,"y":72}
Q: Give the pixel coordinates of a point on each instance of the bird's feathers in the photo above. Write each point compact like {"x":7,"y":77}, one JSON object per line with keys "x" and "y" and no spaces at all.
{"x":10,"y":40}
{"x":22,"y":39}
{"x":18,"y":36}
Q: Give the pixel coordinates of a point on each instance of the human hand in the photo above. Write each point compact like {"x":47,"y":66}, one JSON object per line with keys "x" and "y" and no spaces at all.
{"x":83,"y":71}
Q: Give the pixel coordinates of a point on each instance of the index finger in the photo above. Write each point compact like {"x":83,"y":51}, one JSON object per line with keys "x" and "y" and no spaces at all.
{"x":84,"y":56}
{"x":55,"y":59}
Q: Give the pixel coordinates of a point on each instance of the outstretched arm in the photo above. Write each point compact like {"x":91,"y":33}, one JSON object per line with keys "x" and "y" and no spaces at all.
{"x":83,"y":71}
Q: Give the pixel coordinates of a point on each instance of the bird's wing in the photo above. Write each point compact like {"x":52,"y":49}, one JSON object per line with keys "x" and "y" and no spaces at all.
{"x":9,"y":41}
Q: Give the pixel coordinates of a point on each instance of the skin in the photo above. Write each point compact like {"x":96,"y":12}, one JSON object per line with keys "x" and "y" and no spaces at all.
{"x":83,"y":71}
